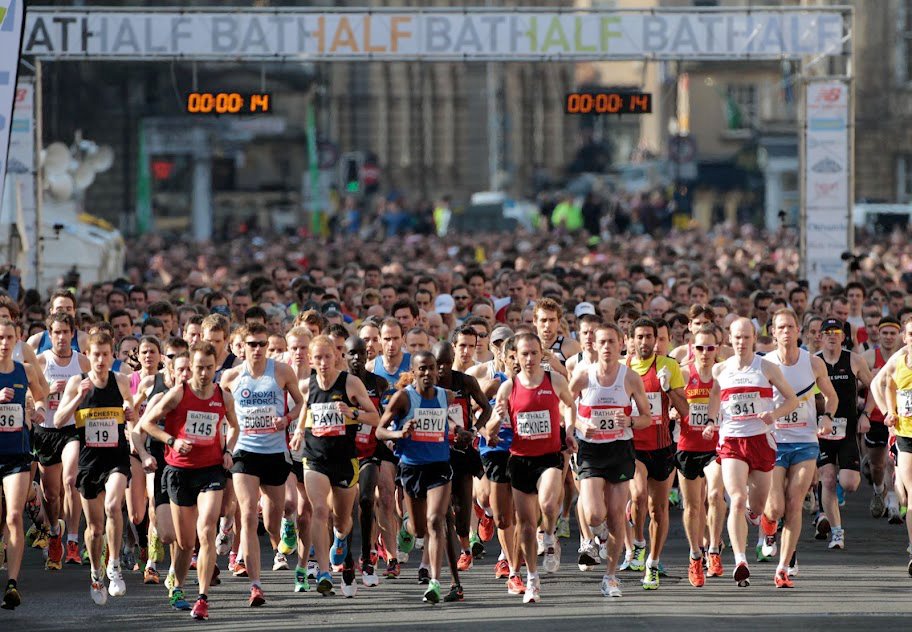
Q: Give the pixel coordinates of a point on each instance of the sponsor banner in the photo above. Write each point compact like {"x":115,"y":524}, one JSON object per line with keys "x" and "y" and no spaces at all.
{"x":826,"y":195}
{"x":21,"y":162}
{"x":472,"y":33}
{"x":11,"y":16}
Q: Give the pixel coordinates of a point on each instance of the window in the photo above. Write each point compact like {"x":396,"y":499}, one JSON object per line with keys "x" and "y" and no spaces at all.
{"x":904,"y":179}
{"x":741,"y":106}
{"x":904,"y":43}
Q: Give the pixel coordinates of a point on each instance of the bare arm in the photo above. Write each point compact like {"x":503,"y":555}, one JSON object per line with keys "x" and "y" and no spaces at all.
{"x":831,"y":400}
{"x":397,"y":408}
{"x":637,"y":391}
{"x":790,"y":403}
{"x":358,"y":394}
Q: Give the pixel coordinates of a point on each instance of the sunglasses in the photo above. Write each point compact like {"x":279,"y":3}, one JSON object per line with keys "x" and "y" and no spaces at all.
{"x":707,"y":348}
{"x":481,"y":335}
{"x":170,"y":356}
{"x":832,"y":332}
{"x":257,"y":343}
{"x":460,"y":298}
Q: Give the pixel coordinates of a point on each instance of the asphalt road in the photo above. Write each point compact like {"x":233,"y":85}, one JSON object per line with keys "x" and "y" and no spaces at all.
{"x":860,"y":588}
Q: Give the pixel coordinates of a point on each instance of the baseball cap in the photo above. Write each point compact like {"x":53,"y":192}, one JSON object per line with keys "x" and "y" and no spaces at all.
{"x":444,"y":304}
{"x":329,"y":306}
{"x":584,"y":308}
{"x":832,"y":323}
{"x":501,"y":333}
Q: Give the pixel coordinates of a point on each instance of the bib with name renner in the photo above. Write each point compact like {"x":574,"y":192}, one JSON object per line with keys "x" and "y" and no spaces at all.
{"x":536,"y":419}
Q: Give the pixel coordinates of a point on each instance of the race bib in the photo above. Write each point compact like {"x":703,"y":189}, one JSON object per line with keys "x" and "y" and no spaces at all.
{"x":259,"y":420}
{"x":607,"y":424}
{"x":12,"y":417}
{"x":534,"y":424}
{"x":795,"y":420}
{"x":904,"y":403}
{"x":201,"y":427}
{"x":430,"y":425}
{"x":328,"y":420}
{"x":744,"y":406}
{"x":364,"y":433}
{"x":840,"y":424}
{"x":699,"y":413}
{"x":454,"y":412}
{"x":101,"y":433}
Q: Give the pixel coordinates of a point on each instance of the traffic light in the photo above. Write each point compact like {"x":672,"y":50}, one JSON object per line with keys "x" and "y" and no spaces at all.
{"x":352,"y":174}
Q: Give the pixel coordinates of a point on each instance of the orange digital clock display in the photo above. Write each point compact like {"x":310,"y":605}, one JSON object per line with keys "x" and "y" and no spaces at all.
{"x":608,"y":103}
{"x":228,"y":103}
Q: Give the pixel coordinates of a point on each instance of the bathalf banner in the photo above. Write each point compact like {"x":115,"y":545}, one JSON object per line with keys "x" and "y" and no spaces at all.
{"x":472,"y":33}
{"x":10,"y":33}
{"x":826,"y":194}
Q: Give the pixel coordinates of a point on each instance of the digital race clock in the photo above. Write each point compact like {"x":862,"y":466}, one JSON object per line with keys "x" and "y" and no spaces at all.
{"x":228,"y":103}
{"x":608,"y":103}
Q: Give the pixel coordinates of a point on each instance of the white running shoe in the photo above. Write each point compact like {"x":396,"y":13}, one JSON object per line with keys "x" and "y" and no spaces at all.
{"x":370,"y":579}
{"x":540,"y":540}
{"x":588,"y":556}
{"x":611,"y":586}
{"x":769,"y":548}
{"x":313,"y":569}
{"x":118,"y":587}
{"x":280,"y":562}
{"x":533,"y":592}
{"x":223,"y":542}
{"x":837,"y":541}
{"x":99,"y":592}
{"x":602,"y":547}
{"x":551,"y":562}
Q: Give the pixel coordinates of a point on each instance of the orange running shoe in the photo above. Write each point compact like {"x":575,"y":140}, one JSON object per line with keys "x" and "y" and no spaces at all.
{"x":55,"y":553}
{"x":150,"y":576}
{"x":256,"y":597}
{"x":465,"y":562}
{"x":502,"y":569}
{"x":515,"y":585}
{"x":782,"y":580}
{"x":72,"y":553}
{"x":485,"y":527}
{"x":715,"y":565}
{"x":695,"y":573}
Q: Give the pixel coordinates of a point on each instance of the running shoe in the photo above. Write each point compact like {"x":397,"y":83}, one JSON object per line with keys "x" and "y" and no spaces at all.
{"x":793,"y":565}
{"x":611,"y":586}
{"x":170,"y":581}
{"x":769,"y":548}
{"x":369,"y":575}
{"x":127,"y":557}
{"x":55,"y":550}
{"x":476,"y":546}
{"x":151,"y":576}
{"x":540,"y":542}
{"x":313,"y":569}
{"x":279,"y":562}
{"x":11,"y":598}
{"x":200,"y":610}
{"x":215,"y":580}
{"x":349,"y":585}
{"x":325,"y":583}
{"x":223,"y":542}
{"x":117,"y":587}
{"x":257,"y":598}
{"x":753,"y":518}
{"x":240,"y":569}
{"x":193,"y":561}
{"x":625,"y":563}
{"x":98,"y":591}
{"x":392,"y":569}
{"x":432,"y":594}
{"x":338,"y":550}
{"x":602,"y":547}
{"x":588,"y":556}
{"x":30,"y":534}
{"x":674,"y":497}
{"x":562,"y":529}
{"x":821,"y":527}
{"x":405,"y":541}
{"x":72,"y":553}
{"x":41,"y":538}
{"x":502,"y":569}
{"x":419,"y":544}
{"x":515,"y":585}
{"x":486,"y":527}
{"x":456,"y":594}
{"x":551,"y":563}
{"x":840,"y":494}
{"x":909,"y":568}
{"x":741,"y":575}
{"x":893,"y":514}
{"x":878,"y":506}
{"x":232,"y":561}
{"x":157,"y":547}
{"x":638,"y":559}
{"x":628,"y":513}
{"x":837,"y":541}
{"x":533,"y":592}
{"x":177,"y":600}
{"x":301,"y":583}
{"x":714,"y":566}
{"x":289,"y":540}
{"x":810,"y":504}
{"x":651,"y":579}
{"x":424,"y":575}
{"x":465,"y":562}
{"x":782,"y":579}
{"x":695,"y":573}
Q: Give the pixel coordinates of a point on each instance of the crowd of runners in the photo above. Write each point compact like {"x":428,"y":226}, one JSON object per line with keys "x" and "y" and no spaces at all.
{"x":407,"y":408}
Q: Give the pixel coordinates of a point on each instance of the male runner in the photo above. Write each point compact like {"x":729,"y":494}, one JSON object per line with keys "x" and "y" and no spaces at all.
{"x":198,"y":453}
{"x":742,"y":400}
{"x":261,"y":460}
{"x":604,"y":431}
{"x":101,"y":402}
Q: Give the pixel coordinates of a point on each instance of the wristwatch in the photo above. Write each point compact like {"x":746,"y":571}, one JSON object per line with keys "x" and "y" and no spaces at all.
{"x":356,"y":413}
{"x":170,"y":442}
